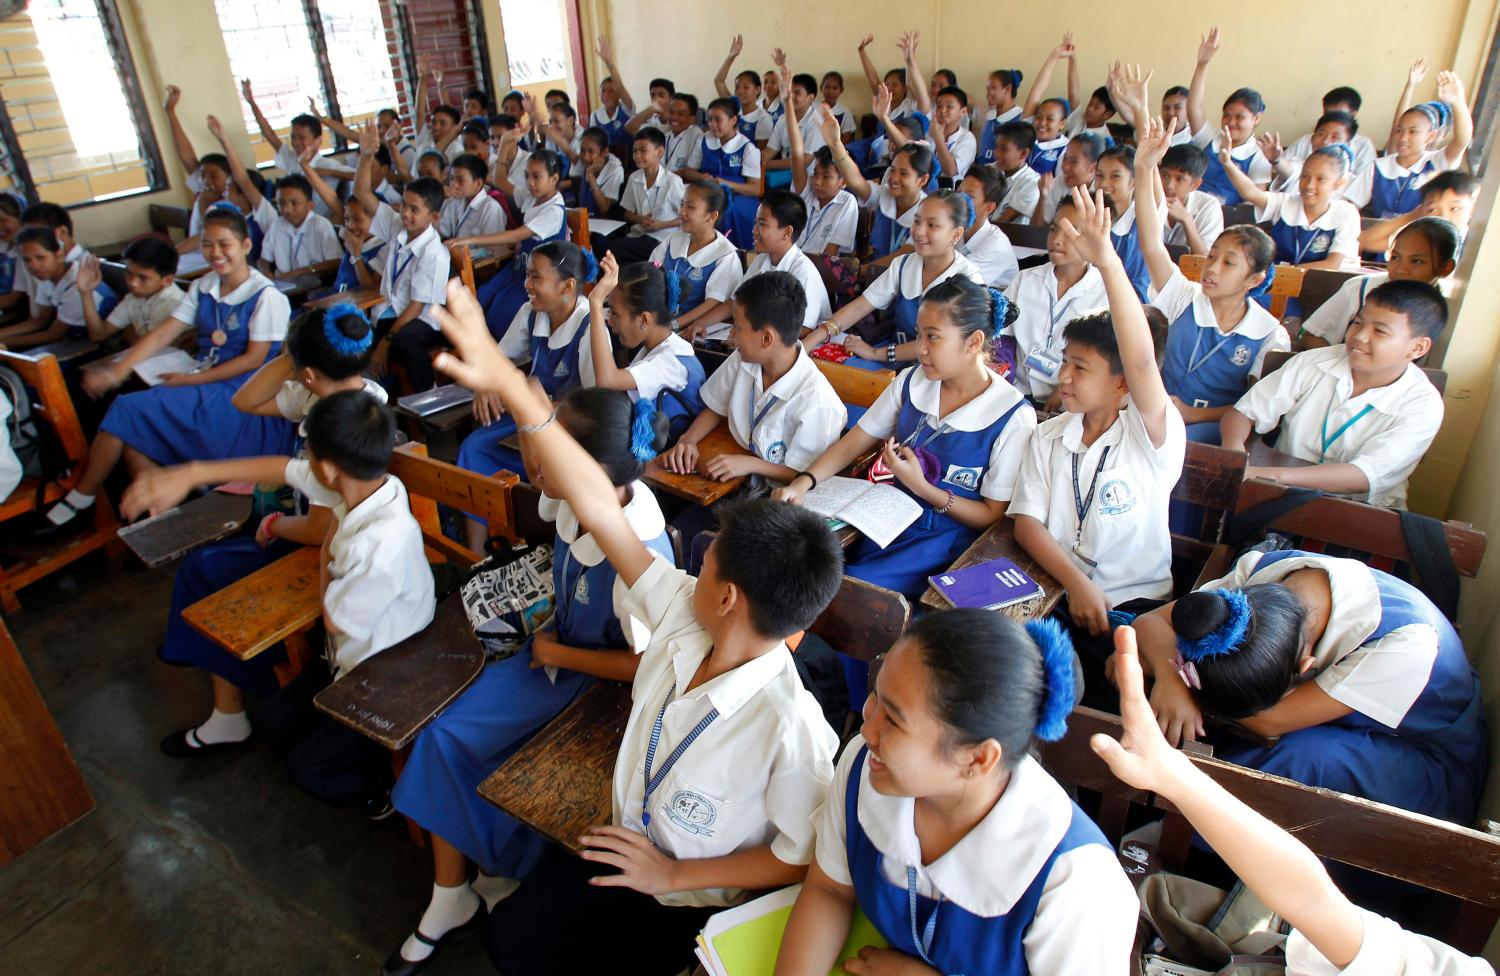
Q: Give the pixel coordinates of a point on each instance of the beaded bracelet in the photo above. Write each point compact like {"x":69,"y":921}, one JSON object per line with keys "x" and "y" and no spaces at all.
{"x":538,"y":428}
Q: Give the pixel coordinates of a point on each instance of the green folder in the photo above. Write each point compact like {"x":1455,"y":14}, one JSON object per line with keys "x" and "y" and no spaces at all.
{"x":750,"y":947}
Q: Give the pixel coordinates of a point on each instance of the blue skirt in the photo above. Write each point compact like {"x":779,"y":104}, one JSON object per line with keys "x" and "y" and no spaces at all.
{"x":482,"y":453}
{"x":174,"y":424}
{"x":438,"y":789}
{"x":738,"y":222}
{"x":502,"y":296}
{"x":204,"y":572}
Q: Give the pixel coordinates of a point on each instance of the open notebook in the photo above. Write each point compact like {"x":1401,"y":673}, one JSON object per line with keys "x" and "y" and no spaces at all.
{"x":744,"y":941}
{"x":881,"y":512}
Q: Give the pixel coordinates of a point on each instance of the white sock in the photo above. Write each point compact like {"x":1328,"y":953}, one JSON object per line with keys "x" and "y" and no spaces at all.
{"x":449,"y":908}
{"x":60,"y":514}
{"x":494,"y":889}
{"x":223,"y":727}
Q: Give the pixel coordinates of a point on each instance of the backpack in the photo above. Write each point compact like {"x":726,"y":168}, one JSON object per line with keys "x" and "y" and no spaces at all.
{"x":36,"y":444}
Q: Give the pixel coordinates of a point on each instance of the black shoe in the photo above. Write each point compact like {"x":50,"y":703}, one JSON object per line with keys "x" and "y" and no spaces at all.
{"x":378,"y":808}
{"x":186,"y":745}
{"x":396,"y":965}
{"x":45,"y":528}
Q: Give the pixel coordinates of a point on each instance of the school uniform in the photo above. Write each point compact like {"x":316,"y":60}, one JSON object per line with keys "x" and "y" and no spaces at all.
{"x":174,"y":424}
{"x":612,"y":123}
{"x":287,"y":161}
{"x":1054,"y":197}
{"x":1203,"y":365}
{"x":388,"y":194}
{"x":706,"y":804}
{"x":511,"y":699}
{"x":671,"y":375}
{"x":899,"y":290}
{"x":774,"y":109}
{"x":1046,"y":153}
{"x":735,"y":161}
{"x":574,"y":164}
{"x":296,"y":401}
{"x":662,"y":200}
{"x":1043,"y":315}
{"x":847,"y":124}
{"x":891,"y":227}
{"x":415,"y":271}
{"x":991,"y":252}
{"x":836,"y":222}
{"x":1362,"y":147}
{"x":1010,"y":897}
{"x":1331,"y":320}
{"x":812,"y":137}
{"x":1125,"y":237}
{"x":1384,"y":432}
{"x":1416,"y":736}
{"x":1207,"y":214}
{"x":1022,"y":190}
{"x":1248,"y":157}
{"x":991,"y":132}
{"x":1388,"y":189}
{"x":1074,"y":125}
{"x":1299,"y":240}
{"x":963,"y":147}
{"x":800,"y":266}
{"x":711,"y":273}
{"x":10,"y":465}
{"x":426,"y":143}
{"x":611,"y":180}
{"x":503,"y":294}
{"x":145,"y":314}
{"x":681,"y":148}
{"x":756,"y":124}
{"x":791,"y":423}
{"x":371,"y":255}
{"x":478,"y":216}
{"x":10,"y":259}
{"x":63,"y":297}
{"x":1385,"y":950}
{"x":289,"y":247}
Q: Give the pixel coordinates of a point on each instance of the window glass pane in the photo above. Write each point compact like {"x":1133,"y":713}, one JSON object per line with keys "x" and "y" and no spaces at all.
{"x":355,"y":38}
{"x":268,"y":43}
{"x":535,"y":41}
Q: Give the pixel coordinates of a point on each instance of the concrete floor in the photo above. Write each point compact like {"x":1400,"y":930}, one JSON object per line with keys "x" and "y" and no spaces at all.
{"x":214,"y":866}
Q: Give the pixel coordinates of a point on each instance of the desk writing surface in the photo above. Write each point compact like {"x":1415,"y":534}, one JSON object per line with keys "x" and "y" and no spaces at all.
{"x":265,"y":607}
{"x":996,"y":541}
{"x":365,"y":298}
{"x":164,"y":537}
{"x":696,"y":487}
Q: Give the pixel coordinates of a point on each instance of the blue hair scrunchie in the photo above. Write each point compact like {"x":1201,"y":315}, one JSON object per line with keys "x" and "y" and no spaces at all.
{"x":1224,"y":639}
{"x":1067,"y":106}
{"x":342,"y":344}
{"x":590,"y":266}
{"x":228,"y":205}
{"x":1341,"y":152}
{"x":674,"y":291}
{"x":643,"y":430}
{"x":1264,"y":286}
{"x":1057,"y":665}
{"x":1015,"y":80}
{"x":1438,"y":113}
{"x":999,"y":311}
{"x":969,"y":208}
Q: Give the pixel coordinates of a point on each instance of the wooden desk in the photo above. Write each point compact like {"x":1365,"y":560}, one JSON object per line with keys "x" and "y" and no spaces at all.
{"x":268,"y":606}
{"x":164,"y":537}
{"x":365,"y":298}
{"x":1000,"y":540}
{"x":66,"y":350}
{"x":1263,"y":455}
{"x":696,"y":487}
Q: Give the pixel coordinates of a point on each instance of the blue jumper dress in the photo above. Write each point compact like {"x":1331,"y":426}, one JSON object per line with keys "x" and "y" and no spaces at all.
{"x":504,"y":294}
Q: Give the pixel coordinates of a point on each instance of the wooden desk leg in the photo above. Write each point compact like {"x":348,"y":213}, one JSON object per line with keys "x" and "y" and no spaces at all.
{"x":298,"y":653}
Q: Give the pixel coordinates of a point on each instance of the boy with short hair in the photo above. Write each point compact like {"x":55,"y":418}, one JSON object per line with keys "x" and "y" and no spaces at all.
{"x":804,"y":88}
{"x":832,"y":211}
{"x":1340,"y":99}
{"x":683,"y":135}
{"x":57,"y":307}
{"x":442,"y":132}
{"x":1362,"y":412}
{"x":471,"y":211}
{"x":305,"y":136}
{"x":56,"y":219}
{"x":1450,"y":194}
{"x":1013,"y":144}
{"x":150,"y":264}
{"x":1194,"y":219}
{"x":650,"y":204}
{"x":1424,"y":250}
{"x":779,"y":222}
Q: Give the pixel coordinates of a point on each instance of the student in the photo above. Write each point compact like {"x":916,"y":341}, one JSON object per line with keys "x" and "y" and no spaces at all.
{"x":801,"y":96}
{"x":1048,"y":297}
{"x":150,"y":264}
{"x":1312,"y":228}
{"x":438,"y":787}
{"x":241,"y":320}
{"x":1361,"y":677}
{"x":432,"y":165}
{"x":10,"y":226}
{"x":1174,"y":103}
{"x":305,"y":140}
{"x":1118,"y":446}
{"x":363,"y":263}
{"x":1234,"y":133}
{"x":1000,"y":91}
{"x":1116,"y":178}
{"x":1333,"y":128}
{"x":1194,"y":219}
{"x":1219,"y":334}
{"x":953,"y":144}
{"x":615,"y":104}
{"x":703,"y":262}
{"x":944,"y":830}
{"x":471,"y":211}
{"x":832,"y":89}
{"x":209,"y":179}
{"x":1363,"y":412}
{"x":1049,"y":115}
{"x":832,"y":211}
{"x":56,"y":219}
{"x":936,"y":232}
{"x":57,"y":306}
{"x":780,"y":407}
{"x":1342,"y":100}
{"x":1450,"y":195}
{"x":734,"y":163}
{"x":508,"y":161}
{"x":476,"y":139}
{"x":1394,"y":184}
{"x":1078,"y":166}
{"x":684,"y":138}
{"x":772,"y":100}
{"x":1424,"y":250}
{"x":778,"y":225}
{"x":477,"y":103}
{"x":893,"y":201}
{"x":906,"y":100}
{"x":651,"y":204}
{"x":1013,"y":145}
{"x":601,"y":176}
{"x":563,"y":136}
{"x":984,"y":244}
{"x":754,"y":121}
{"x":725,"y":629}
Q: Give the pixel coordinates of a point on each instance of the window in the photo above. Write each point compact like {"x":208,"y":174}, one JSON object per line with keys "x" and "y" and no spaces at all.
{"x":73,"y":128}
{"x":535,"y":41}
{"x":275,"y":44}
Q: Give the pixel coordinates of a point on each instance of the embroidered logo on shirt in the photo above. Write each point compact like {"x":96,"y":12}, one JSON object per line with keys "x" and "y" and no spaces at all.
{"x":776,"y":453}
{"x":581,"y":591}
{"x":1116,"y":498}
{"x":562,"y":369}
{"x":961,"y":477}
{"x":1319,"y":244}
{"x":1241,"y":356}
{"x":693,"y":812}
{"x":694,"y":274}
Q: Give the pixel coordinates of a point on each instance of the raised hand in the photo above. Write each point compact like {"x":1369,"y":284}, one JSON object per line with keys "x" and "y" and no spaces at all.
{"x":1450,"y":88}
{"x":1208,"y":46}
{"x":1133,"y":85}
{"x":1089,"y":230}
{"x":609,"y":277}
{"x":312,"y":108}
{"x":216,"y":128}
{"x":1270,"y":145}
{"x":369,"y":139}
{"x":1142,"y":757}
{"x":606,"y":50}
{"x":476,"y":361}
{"x":778,"y":57}
{"x":88,"y":277}
{"x":1226,"y":143}
{"x":882,"y":104}
{"x":1416,"y":72}
{"x":866,"y":41}
{"x":174,"y":95}
{"x":247,"y":90}
{"x":1152,"y":142}
{"x":828,"y":123}
{"x":736,"y":46}
{"x":1066,"y":48}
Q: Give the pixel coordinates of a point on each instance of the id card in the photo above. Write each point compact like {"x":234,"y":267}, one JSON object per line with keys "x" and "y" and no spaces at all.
{"x":1042,"y":363}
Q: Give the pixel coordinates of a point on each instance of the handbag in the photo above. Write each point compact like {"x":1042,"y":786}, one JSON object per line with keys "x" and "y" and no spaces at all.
{"x":1222,"y":933}
{"x":508,"y":598}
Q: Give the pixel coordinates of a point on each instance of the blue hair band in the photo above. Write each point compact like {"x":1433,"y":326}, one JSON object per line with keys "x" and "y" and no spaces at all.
{"x":1057,"y":664}
{"x":227,"y":205}
{"x":674,"y":291}
{"x":968,"y":208}
{"x":999,"y":311}
{"x":1223,"y":639}
{"x":1341,"y":152}
{"x":1264,"y":286}
{"x":590,"y":265}
{"x":342,"y":344}
{"x":643,"y":430}
{"x":1015,"y":80}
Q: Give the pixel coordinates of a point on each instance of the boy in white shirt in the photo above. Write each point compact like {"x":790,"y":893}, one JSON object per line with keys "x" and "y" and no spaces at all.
{"x":57,"y":308}
{"x":471,"y":211}
{"x":601,"y":176}
{"x":1194,"y":219}
{"x":682,"y":132}
{"x":651,"y":202}
{"x":693,"y":828}
{"x":1091,"y":497}
{"x":984,"y":243}
{"x":780,"y":407}
{"x":804,"y":92}
{"x":779,"y":222}
{"x":1013,"y":145}
{"x":1363,"y":412}
{"x":150,"y":264}
{"x":1425,"y":250}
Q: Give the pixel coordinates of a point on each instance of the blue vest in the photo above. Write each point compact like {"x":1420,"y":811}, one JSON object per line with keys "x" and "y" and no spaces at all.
{"x":556,"y":369}
{"x":686,"y":404}
{"x":1128,"y":247}
{"x":1296,"y":245}
{"x":1216,"y":181}
{"x":746,"y":128}
{"x":615,"y":127}
{"x":1045,"y":160}
{"x":233,"y":320}
{"x":1203,"y":364}
{"x":987,"y":137}
{"x":257,"y":235}
{"x":584,"y":596}
{"x":723,"y":165}
{"x":347,"y":279}
{"x":903,"y":309}
{"x":7,"y":272}
{"x":693,"y":280}
{"x":1393,"y":197}
{"x":886,"y":234}
{"x":961,"y":942}
{"x":533,"y":242}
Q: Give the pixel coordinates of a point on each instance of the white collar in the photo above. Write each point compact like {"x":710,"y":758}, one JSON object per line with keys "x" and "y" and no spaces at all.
{"x":559,"y":336}
{"x":911,"y":273}
{"x":734,"y":687}
{"x":793,"y":258}
{"x":1355,"y":610}
{"x":1255,"y":324}
{"x":390,"y":495}
{"x":641,"y":513}
{"x":1072,"y":433}
{"x":555,"y":200}
{"x":977,"y":414}
{"x":246,"y":288}
{"x":1296,"y":214}
{"x":1391,"y":169}
{"x":985,"y":232}
{"x":790,"y":381}
{"x":420,"y":242}
{"x":478,"y":199}
{"x":713,"y":251}
{"x":734,"y":144}
{"x":1125,"y":221}
{"x":1390,"y":399}
{"x":1061,"y":140}
{"x":1091,"y":281}
{"x":888,"y":206}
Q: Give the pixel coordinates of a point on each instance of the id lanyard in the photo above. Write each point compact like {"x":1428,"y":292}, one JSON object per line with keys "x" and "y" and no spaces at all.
{"x":1054,"y":316}
{"x":810,"y":235}
{"x":921,"y":940}
{"x":1081,"y":504}
{"x":1329,"y":441}
{"x":911,"y":439}
{"x":296,"y":247}
{"x":652,"y":782}
{"x":1302,"y":249}
{"x":758,"y":417}
{"x":399,"y":269}
{"x":1194,"y":360}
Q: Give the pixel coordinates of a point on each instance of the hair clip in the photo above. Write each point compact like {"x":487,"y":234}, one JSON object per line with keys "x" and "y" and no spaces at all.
{"x":1187,"y":671}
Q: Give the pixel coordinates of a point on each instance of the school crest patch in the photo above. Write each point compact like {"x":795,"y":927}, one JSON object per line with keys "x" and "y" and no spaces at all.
{"x":561,"y":370}
{"x":693,"y":812}
{"x":962,"y":477}
{"x":1319,"y":244}
{"x":581,"y":591}
{"x":776,"y":453}
{"x":1240,"y":356}
{"x":1116,"y":498}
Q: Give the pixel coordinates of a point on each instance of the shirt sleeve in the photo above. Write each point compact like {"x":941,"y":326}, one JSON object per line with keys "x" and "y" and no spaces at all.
{"x":831,"y":851}
{"x":750,"y":161}
{"x":1032,"y":495}
{"x":846,"y":121}
{"x":612,"y":180}
{"x":1346,"y":234}
{"x":845,"y":225}
{"x":120,"y":315}
{"x":1383,"y":679}
{"x":265,"y":213}
{"x":187,"y":309}
{"x":548,"y":223}
{"x":429,"y":282}
{"x":1330,"y":321}
{"x":883,"y":290}
{"x":1272,"y":209}
{"x":1085,"y":892}
{"x":1277,"y":341}
{"x":1270,"y":398}
{"x":659,"y":255}
{"x":272,"y":313}
{"x":658,"y":607}
{"x":798,"y":782}
{"x":634,"y":197}
{"x":1362,"y":188}
{"x":880,"y":420}
{"x":816,"y":422}
{"x":1389,"y":460}
{"x":1210,"y":221}
{"x":326,"y":243}
{"x":363,"y":583}
{"x":1386,"y":950}
{"x":1175,"y":296}
{"x":717,"y":389}
{"x":964,"y":153}
{"x":386,"y":223}
{"x":299,"y":475}
{"x":516,"y":343}
{"x":725,"y":278}
{"x":1006,"y":455}
{"x":695,"y":156}
{"x":294,"y":400}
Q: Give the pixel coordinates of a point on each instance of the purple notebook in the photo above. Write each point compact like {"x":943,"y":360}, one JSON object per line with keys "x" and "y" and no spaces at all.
{"x":989,"y":585}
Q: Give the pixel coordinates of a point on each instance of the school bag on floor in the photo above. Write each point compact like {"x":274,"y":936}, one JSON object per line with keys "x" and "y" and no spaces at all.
{"x":36,"y":444}
{"x":1194,"y":928}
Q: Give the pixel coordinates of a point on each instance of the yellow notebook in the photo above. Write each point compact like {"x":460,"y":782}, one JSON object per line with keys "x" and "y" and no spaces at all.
{"x":744,"y":941}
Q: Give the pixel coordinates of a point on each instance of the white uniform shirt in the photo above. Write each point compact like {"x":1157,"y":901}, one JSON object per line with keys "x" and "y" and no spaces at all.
{"x":296,"y":401}
{"x":979,"y":413}
{"x":904,"y":278}
{"x":713,"y":803}
{"x":145,"y":314}
{"x":1360,"y":189}
{"x":1341,"y":217}
{"x":379,"y":584}
{"x":62,"y":296}
{"x":761,"y":119}
{"x":750,"y":159}
{"x":1209,"y":138}
{"x":845,"y":117}
{"x":660,"y":369}
{"x":799,"y":265}
{"x":516,"y":343}
{"x":517,"y":176}
{"x":1074,"y":125}
{"x":289,"y":248}
{"x":660,"y":201}
{"x":415,"y":271}
{"x":837,"y":223}
{"x":1042,"y":316}
{"x":10,"y":465}
{"x":1256,"y":323}
{"x":1387,"y":950}
{"x":681,"y":147}
{"x":272,"y":312}
{"x":479,"y":216}
{"x":1022,"y":190}
{"x":812,"y":138}
{"x":1313,"y":389}
{"x":988,"y":870}
{"x":885,"y":202}
{"x":1125,"y":525}
{"x":1208,"y":216}
{"x":1331,"y":320}
{"x":963,"y":147}
{"x":1053,"y":198}
{"x":286,"y":160}
{"x":991,"y":252}
{"x":792,"y":423}
{"x":727,"y":270}
{"x":39,"y":294}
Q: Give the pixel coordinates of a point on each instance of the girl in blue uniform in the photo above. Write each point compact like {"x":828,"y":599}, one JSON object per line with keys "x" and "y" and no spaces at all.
{"x":1393,"y":186}
{"x":730,"y":158}
{"x":1000,"y":91}
{"x":893,"y":201}
{"x":1116,"y":177}
{"x":1361,"y":677}
{"x":544,"y":220}
{"x":514,"y":697}
{"x":706,"y":265}
{"x":944,"y":831}
{"x":1312,"y":228}
{"x":1051,"y":136}
{"x":1235,"y":132}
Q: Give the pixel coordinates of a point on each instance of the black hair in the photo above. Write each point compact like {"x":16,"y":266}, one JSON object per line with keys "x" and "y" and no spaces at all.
{"x":43,"y":237}
{"x":898,"y":72}
{"x":552,"y":163}
{"x":1248,"y":97}
{"x":504,"y":120}
{"x":354,"y":432}
{"x":919,"y":156}
{"x":10,"y":205}
{"x":838,"y":75}
{"x":1061,"y":103}
{"x":479,"y":130}
{"x":960,"y":208}
{"x":388,"y":111}
{"x":713,"y":194}
{"x":571,"y":261}
{"x":337,"y":357}
{"x":1349,"y":122}
{"x":653,"y":135}
{"x":991,"y":183}
{"x":153,"y":253}
{"x":913,"y":129}
{"x":691,"y":101}
{"x":566,"y":108}
{"x":1343,"y":95}
{"x":430,"y":190}
{"x":788,"y":209}
{"x":1175,"y":91}
{"x":478,"y":95}
{"x":1441,"y":235}
{"x":1259,"y":671}
{"x":597,"y":136}
{"x":824,"y":157}
{"x":1093,"y":146}
{"x":989,"y":679}
{"x":1096,"y":331}
{"x":947,"y":73}
{"x":1451,"y":180}
{"x":602,"y":422}
{"x":956,"y":92}
{"x":785,"y":594}
{"x":567,"y":99}
{"x":972,"y":307}
{"x":1020,"y":134}
{"x":806,"y":82}
{"x":450,"y":112}
{"x":514,"y":95}
{"x":774,"y":300}
{"x":1423,"y":305}
{"x":227,"y":215}
{"x":383,"y":155}
{"x":1010,"y":78}
{"x":46,"y":214}
{"x":295,"y":181}
{"x":217,"y":160}
{"x":1186,"y":158}
{"x":437,"y":154}
{"x":1102,"y":94}
{"x":1122,"y":152}
{"x":729,"y":106}
{"x":754,"y":77}
{"x":1156,"y":321}
{"x":1259,"y":249}
{"x":471,"y":164}
{"x":663,"y":83}
{"x":309,"y":122}
{"x":643,"y":287}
